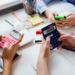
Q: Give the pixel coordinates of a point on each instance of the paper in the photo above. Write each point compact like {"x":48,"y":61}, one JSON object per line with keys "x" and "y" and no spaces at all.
{"x":36,"y":20}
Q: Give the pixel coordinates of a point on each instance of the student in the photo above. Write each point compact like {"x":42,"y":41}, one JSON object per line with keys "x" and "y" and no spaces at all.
{"x":42,"y":9}
{"x":44,"y":53}
{"x":8,"y":55}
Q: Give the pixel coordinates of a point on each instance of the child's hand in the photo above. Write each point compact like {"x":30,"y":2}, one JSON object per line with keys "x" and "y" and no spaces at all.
{"x":67,"y":40}
{"x":9,"y":52}
{"x":69,"y":21}
{"x":44,"y":49}
{"x":2,"y":37}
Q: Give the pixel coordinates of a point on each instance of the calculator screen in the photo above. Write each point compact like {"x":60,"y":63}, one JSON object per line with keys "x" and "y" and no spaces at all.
{"x":15,"y":34}
{"x":49,"y":29}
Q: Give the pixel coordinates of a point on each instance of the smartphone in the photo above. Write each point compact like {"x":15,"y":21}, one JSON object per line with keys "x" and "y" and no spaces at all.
{"x":16,"y":57}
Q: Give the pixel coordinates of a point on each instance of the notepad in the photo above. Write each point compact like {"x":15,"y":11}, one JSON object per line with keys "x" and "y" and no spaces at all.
{"x":36,"y":20}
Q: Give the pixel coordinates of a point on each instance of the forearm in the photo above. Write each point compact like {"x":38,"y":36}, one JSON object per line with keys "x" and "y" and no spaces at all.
{"x":42,"y":68}
{"x":7,"y":67}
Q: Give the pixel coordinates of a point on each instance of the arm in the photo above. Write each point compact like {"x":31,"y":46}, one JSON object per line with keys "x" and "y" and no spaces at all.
{"x":42,"y":68}
{"x":43,"y":57}
{"x":8,"y":55}
{"x":40,"y":5}
{"x":42,"y":8}
{"x":7,"y":67}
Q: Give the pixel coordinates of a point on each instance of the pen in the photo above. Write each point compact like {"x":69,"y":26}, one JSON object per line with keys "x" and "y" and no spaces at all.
{"x":9,"y":23}
{"x":38,"y":41}
{"x":16,"y":16}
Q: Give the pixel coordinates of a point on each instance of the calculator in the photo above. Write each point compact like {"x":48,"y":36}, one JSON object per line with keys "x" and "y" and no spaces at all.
{"x":11,"y":38}
{"x":51,"y":31}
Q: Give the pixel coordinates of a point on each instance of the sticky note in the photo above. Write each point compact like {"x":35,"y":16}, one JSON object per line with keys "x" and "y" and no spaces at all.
{"x":18,"y":25}
{"x":36,"y":20}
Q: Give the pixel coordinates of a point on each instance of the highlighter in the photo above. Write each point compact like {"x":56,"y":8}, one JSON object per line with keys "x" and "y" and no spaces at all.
{"x":59,"y":17}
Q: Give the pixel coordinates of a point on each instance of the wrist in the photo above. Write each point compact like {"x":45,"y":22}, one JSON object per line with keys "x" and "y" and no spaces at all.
{"x":47,"y":12}
{"x":7,"y":67}
{"x":40,"y":61}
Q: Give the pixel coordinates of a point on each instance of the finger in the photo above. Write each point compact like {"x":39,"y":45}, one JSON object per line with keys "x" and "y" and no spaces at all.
{"x":15,"y":50}
{"x":63,"y":37}
{"x":52,"y":18}
{"x":59,"y":46}
{"x":59,"y":22}
{"x":69,"y":15}
{"x":61,"y":33}
{"x":63,"y":25}
{"x":16,"y":43}
{"x":5,"y":48}
{"x":3,"y":36}
{"x":43,"y":40}
{"x":47,"y":40}
{"x":55,"y":14}
{"x":63,"y":20}
{"x":6,"y":45}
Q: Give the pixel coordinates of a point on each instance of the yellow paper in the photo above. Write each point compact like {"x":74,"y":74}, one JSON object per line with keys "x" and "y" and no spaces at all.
{"x":36,"y":20}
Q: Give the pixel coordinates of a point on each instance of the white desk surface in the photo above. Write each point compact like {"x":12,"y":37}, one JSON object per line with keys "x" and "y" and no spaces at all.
{"x":29,"y":52}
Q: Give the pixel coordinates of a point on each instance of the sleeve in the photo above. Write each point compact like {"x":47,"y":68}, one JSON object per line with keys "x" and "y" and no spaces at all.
{"x":41,"y":6}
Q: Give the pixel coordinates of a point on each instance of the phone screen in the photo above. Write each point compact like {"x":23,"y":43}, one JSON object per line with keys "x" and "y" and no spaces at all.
{"x":16,"y":55}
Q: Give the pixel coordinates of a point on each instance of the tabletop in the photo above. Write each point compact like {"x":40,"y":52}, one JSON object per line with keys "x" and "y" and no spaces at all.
{"x":29,"y":52}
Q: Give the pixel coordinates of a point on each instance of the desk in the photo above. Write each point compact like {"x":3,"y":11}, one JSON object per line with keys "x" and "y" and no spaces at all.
{"x":29,"y":52}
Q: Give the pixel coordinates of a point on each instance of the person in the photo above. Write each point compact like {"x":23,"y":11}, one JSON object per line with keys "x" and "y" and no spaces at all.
{"x":41,"y":6}
{"x":8,"y":55}
{"x":44,"y":54}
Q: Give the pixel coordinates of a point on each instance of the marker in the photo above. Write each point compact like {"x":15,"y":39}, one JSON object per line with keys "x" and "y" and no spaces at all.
{"x":38,"y":41}
{"x":9,"y":23}
{"x":59,"y":17}
{"x":16,"y":16}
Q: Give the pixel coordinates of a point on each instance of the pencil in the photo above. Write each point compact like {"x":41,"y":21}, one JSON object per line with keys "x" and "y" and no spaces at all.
{"x":9,"y":23}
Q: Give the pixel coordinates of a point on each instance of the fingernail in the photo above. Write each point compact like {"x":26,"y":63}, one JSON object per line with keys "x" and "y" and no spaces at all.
{"x":48,"y":38}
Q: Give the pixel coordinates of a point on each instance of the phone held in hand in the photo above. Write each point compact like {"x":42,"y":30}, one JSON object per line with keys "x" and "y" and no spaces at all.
{"x":51,"y":31}
{"x":16,"y":57}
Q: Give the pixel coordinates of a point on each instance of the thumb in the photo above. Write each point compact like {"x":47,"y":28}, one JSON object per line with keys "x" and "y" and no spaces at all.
{"x":6,"y":45}
{"x":69,"y":15}
{"x":63,"y":37}
{"x":47,"y":40}
{"x":55,"y":14}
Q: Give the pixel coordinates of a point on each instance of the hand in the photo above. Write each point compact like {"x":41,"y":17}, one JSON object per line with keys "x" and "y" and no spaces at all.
{"x":69,"y":21}
{"x":44,"y":54}
{"x":67,"y":40}
{"x":2,"y":37}
{"x":8,"y":53}
{"x":45,"y":49}
{"x":50,"y":15}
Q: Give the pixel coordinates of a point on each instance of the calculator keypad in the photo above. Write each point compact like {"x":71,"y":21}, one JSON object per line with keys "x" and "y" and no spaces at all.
{"x":54,"y":40}
{"x":8,"y":39}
